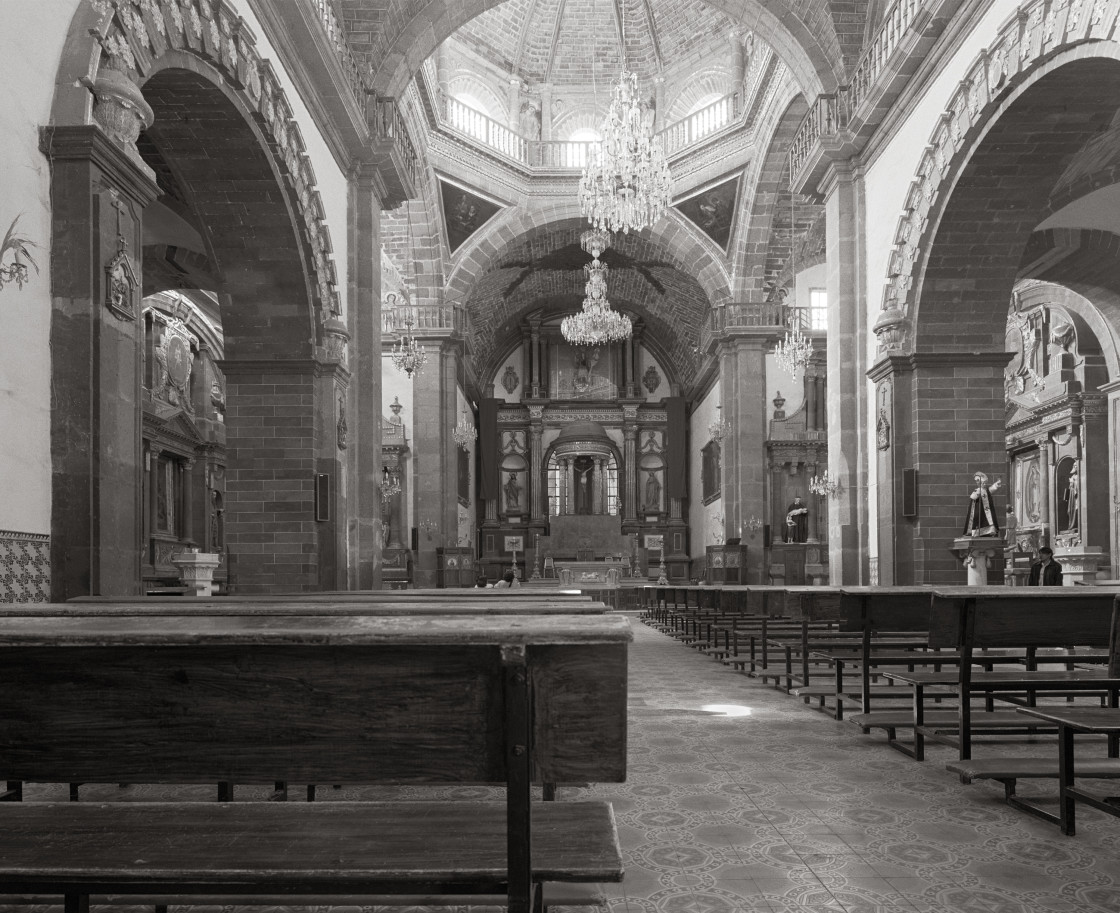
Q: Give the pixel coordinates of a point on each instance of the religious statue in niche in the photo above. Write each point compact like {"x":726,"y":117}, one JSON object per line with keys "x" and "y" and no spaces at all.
{"x":1069,"y":516}
{"x":981,"y":519}
{"x":797,"y":521}
{"x":653,"y":492}
{"x":883,"y":432}
{"x":512,"y":490}
{"x":122,"y":286}
{"x":583,"y":470}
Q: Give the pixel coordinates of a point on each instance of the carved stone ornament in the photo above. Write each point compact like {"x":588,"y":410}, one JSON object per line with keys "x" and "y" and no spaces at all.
{"x":119,"y":107}
{"x":883,"y":431}
{"x":510,"y":380}
{"x":651,"y":379}
{"x":336,"y":338}
{"x":341,"y":427}
{"x":121,"y":286}
{"x":892,"y":331}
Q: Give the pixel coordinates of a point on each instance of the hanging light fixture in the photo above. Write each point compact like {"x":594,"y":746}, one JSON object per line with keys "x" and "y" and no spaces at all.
{"x":464,"y":433}
{"x":626,"y":183}
{"x":390,"y":484}
{"x":794,"y":351}
{"x":718,"y":428}
{"x":597,"y":324}
{"x":408,"y":355}
{"x":824,"y":486}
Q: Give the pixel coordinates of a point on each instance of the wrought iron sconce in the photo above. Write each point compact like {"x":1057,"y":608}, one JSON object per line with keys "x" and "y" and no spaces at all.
{"x":429,"y":526}
{"x":824,"y":486}
{"x":753,"y":526}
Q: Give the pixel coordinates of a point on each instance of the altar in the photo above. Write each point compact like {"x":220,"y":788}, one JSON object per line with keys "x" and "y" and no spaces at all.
{"x":598,"y":574}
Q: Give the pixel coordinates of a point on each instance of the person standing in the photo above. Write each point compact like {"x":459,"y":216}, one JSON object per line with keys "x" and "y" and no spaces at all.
{"x":1045,"y":571}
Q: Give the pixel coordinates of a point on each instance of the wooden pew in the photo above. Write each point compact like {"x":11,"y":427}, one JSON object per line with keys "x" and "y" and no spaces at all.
{"x":1065,"y":766}
{"x":432,"y":699}
{"x":870,"y":620}
{"x":975,"y":619}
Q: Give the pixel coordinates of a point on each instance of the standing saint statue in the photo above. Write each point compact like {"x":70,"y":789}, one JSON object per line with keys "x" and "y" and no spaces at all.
{"x":981,"y":519}
{"x":653,"y":491}
{"x":797,"y":521}
{"x":513,"y":492}
{"x":1073,"y":508}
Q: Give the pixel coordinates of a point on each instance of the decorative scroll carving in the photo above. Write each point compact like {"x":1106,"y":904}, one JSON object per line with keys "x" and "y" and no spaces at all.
{"x":510,"y":380}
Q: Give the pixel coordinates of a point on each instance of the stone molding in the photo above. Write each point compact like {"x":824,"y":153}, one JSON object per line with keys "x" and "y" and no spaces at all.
{"x":1027,"y":41}
{"x":136,"y":36}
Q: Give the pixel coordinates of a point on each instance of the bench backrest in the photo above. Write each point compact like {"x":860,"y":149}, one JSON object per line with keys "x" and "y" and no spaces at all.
{"x":903,"y":609}
{"x":486,"y":594}
{"x":311,"y":699}
{"x":813,"y":603}
{"x":1021,"y":617}
{"x":201,"y":607}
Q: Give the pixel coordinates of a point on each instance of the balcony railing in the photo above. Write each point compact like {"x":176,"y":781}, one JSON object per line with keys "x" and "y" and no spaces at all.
{"x":770,"y":316}
{"x":427,"y":319}
{"x":336,"y":34}
{"x":831,"y":113}
{"x":719,"y":114}
{"x":389,"y":127}
{"x":560,"y":154}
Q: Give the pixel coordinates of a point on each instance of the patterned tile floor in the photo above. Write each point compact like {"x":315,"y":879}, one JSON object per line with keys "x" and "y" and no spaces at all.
{"x":741,"y":799}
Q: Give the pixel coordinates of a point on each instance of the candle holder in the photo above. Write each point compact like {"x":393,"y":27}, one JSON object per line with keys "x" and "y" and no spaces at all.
{"x":662,"y":577}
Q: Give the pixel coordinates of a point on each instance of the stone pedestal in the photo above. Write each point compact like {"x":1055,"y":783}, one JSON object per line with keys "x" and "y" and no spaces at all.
{"x":196,"y":570}
{"x":1079,"y":563}
{"x":978,"y":553}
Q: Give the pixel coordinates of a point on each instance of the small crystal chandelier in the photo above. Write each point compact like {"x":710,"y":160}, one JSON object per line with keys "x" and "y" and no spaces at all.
{"x":390,"y":484}
{"x":718,"y":428}
{"x":408,"y":355}
{"x":824,"y":486}
{"x":597,"y":323}
{"x":793,"y":352}
{"x":464,"y":433}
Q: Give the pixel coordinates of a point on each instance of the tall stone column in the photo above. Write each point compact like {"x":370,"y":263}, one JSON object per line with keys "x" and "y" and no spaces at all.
{"x":434,"y":456}
{"x":597,"y":490}
{"x":735,"y":38}
{"x":566,"y":489}
{"x":364,"y":321}
{"x":746,"y":409}
{"x":99,"y":190}
{"x":847,"y":388}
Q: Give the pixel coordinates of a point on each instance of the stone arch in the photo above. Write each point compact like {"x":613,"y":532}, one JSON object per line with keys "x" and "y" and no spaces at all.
{"x":207,"y":38}
{"x":670,"y":235}
{"x":1028,"y":104}
{"x":801,"y":32}
{"x":753,"y":249}
{"x":1037,"y":56}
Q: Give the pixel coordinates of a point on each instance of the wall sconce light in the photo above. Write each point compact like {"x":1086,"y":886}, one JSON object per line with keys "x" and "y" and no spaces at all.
{"x":753,"y":525}
{"x":429,"y":526}
{"x":390,"y":484}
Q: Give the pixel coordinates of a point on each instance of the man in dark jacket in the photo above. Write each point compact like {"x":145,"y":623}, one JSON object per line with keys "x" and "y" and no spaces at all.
{"x":1045,"y":571}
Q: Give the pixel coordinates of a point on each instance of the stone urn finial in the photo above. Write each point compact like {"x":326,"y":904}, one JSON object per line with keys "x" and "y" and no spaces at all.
{"x":119,"y":107}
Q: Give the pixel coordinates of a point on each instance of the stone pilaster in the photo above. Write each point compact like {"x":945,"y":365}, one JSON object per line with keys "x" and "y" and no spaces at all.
{"x":848,"y":544}
{"x":99,"y":189}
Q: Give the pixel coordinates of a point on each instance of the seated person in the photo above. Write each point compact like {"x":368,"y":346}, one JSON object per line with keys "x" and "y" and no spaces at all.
{"x":509,"y":579}
{"x":480,"y":582}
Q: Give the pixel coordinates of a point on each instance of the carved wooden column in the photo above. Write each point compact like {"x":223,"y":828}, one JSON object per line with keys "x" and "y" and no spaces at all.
{"x":630,"y":470}
{"x":566,"y":487}
{"x":597,"y":490}
{"x":1046,"y":473}
{"x":538,"y":509}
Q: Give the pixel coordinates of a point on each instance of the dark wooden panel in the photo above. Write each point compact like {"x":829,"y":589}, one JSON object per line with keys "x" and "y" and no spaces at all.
{"x":1074,"y":620}
{"x":310,"y":847}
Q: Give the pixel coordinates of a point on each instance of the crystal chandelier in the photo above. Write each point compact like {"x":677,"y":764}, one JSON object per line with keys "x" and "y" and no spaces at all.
{"x":597,"y":323}
{"x":390,"y":484}
{"x":718,"y":428}
{"x":824,"y":486}
{"x":626,"y":184}
{"x":464,"y":433}
{"x":793,"y":352}
{"x":408,"y":355}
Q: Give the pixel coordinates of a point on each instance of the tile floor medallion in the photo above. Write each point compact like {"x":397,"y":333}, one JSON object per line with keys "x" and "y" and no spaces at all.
{"x":741,"y":799}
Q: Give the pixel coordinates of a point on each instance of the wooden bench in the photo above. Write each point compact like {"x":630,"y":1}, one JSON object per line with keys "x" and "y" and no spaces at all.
{"x":974,"y":619}
{"x":433,"y":699}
